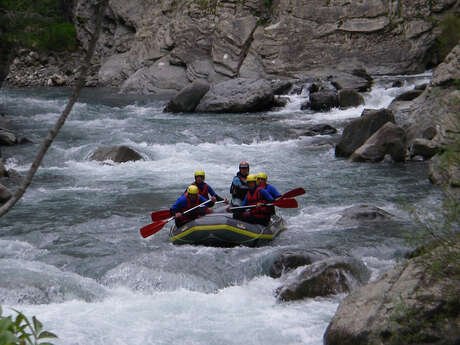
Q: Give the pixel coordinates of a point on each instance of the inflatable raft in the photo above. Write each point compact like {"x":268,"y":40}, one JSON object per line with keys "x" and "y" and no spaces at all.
{"x":220,"y":229}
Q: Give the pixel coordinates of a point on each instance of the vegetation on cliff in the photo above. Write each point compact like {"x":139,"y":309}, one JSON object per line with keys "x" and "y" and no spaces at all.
{"x":38,"y":24}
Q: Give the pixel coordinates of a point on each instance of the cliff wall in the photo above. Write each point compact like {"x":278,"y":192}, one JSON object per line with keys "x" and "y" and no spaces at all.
{"x":155,"y":46}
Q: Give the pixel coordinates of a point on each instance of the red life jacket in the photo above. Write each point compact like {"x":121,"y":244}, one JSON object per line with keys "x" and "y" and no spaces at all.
{"x":190,"y":204}
{"x":254,"y":198}
{"x":204,"y":192}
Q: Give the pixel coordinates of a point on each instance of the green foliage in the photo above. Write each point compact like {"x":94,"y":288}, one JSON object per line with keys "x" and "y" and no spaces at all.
{"x":268,"y":3}
{"x":21,"y":331}
{"x":447,"y":39}
{"x":38,"y":24}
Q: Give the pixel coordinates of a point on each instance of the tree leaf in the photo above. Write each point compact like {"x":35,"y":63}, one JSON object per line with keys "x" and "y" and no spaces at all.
{"x":46,"y":334}
{"x":38,"y":326}
{"x":7,"y":338}
{"x":5,"y":323}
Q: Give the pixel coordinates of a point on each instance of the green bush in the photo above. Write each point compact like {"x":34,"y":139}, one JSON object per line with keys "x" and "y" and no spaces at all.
{"x":58,"y":36}
{"x":21,"y":331}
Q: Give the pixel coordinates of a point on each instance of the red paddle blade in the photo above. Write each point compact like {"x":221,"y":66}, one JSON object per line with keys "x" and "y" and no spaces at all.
{"x":150,"y":229}
{"x":293,"y":193}
{"x":160,"y":215}
{"x":286,"y":203}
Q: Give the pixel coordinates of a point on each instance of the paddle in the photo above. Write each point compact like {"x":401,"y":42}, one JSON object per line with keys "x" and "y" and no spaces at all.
{"x":150,"y":229}
{"x":293,"y":193}
{"x":163,"y":214}
{"x":282,"y":203}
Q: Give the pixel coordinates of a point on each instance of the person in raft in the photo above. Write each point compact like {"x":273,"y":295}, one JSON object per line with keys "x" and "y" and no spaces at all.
{"x":255,"y":196}
{"x":204,"y":189}
{"x":187,"y":201}
{"x":262,"y":182}
{"x":239,"y":187}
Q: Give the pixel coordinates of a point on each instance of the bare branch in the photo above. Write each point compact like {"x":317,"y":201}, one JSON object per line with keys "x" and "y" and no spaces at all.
{"x":65,"y":113}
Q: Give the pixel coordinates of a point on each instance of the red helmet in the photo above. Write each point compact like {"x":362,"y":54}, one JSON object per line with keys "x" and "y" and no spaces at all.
{"x":244,"y":164}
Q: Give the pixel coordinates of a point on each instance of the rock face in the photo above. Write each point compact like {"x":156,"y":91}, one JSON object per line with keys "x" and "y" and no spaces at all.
{"x":323,"y":278}
{"x":389,"y":139}
{"x":118,"y":154}
{"x":238,"y":96}
{"x":423,"y":147}
{"x":217,"y":40}
{"x":410,"y":304}
{"x":188,"y":98}
{"x":359,"y":130}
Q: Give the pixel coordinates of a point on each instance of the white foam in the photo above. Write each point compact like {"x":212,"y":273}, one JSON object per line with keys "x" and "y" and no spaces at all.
{"x":247,"y":314}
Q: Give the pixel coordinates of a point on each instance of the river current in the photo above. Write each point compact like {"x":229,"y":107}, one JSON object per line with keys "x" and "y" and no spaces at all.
{"x":71,"y":252}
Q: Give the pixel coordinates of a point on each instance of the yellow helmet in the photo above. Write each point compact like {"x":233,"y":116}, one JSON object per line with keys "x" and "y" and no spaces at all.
{"x":251,"y":178}
{"x":199,"y":173}
{"x":192,"y":189}
{"x":262,"y":175}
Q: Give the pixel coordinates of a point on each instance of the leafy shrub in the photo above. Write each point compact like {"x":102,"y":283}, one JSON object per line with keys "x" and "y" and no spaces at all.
{"x":20,"y":331}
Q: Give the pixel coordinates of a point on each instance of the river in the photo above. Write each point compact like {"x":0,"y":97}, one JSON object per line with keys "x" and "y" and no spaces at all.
{"x":71,"y":252}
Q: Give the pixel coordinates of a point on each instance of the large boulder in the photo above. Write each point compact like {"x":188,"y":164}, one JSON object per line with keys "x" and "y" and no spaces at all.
{"x":363,"y":214}
{"x":408,"y":95}
{"x":7,"y":137}
{"x":118,"y":154}
{"x":423,"y":147}
{"x":348,"y":98}
{"x":238,"y":96}
{"x":359,"y":130}
{"x":288,"y":261}
{"x":358,"y":80}
{"x":188,"y":98}
{"x":326,"y":277}
{"x":324,"y":100}
{"x":413,"y":303}
{"x":389,"y":139}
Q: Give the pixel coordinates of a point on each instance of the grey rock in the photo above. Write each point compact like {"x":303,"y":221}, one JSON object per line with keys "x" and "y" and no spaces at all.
{"x":319,"y":129}
{"x":423,"y":147}
{"x":408,"y":95}
{"x":288,"y":261}
{"x":397,"y":308}
{"x":118,"y":154}
{"x":324,"y":100}
{"x":188,"y":98}
{"x":7,"y":137}
{"x":323,"y":278}
{"x":449,"y":70}
{"x":160,"y":78}
{"x":3,"y":171}
{"x":281,"y":102}
{"x":359,"y":130}
{"x":358,"y":81}
{"x":281,"y":87}
{"x":349,"y":98}
{"x":363,"y":214}
{"x":238,"y":95}
{"x":389,"y":139}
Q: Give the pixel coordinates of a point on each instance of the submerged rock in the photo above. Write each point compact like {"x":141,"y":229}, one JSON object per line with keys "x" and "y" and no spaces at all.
{"x":118,"y":154}
{"x":363,"y":213}
{"x":327,"y":277}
